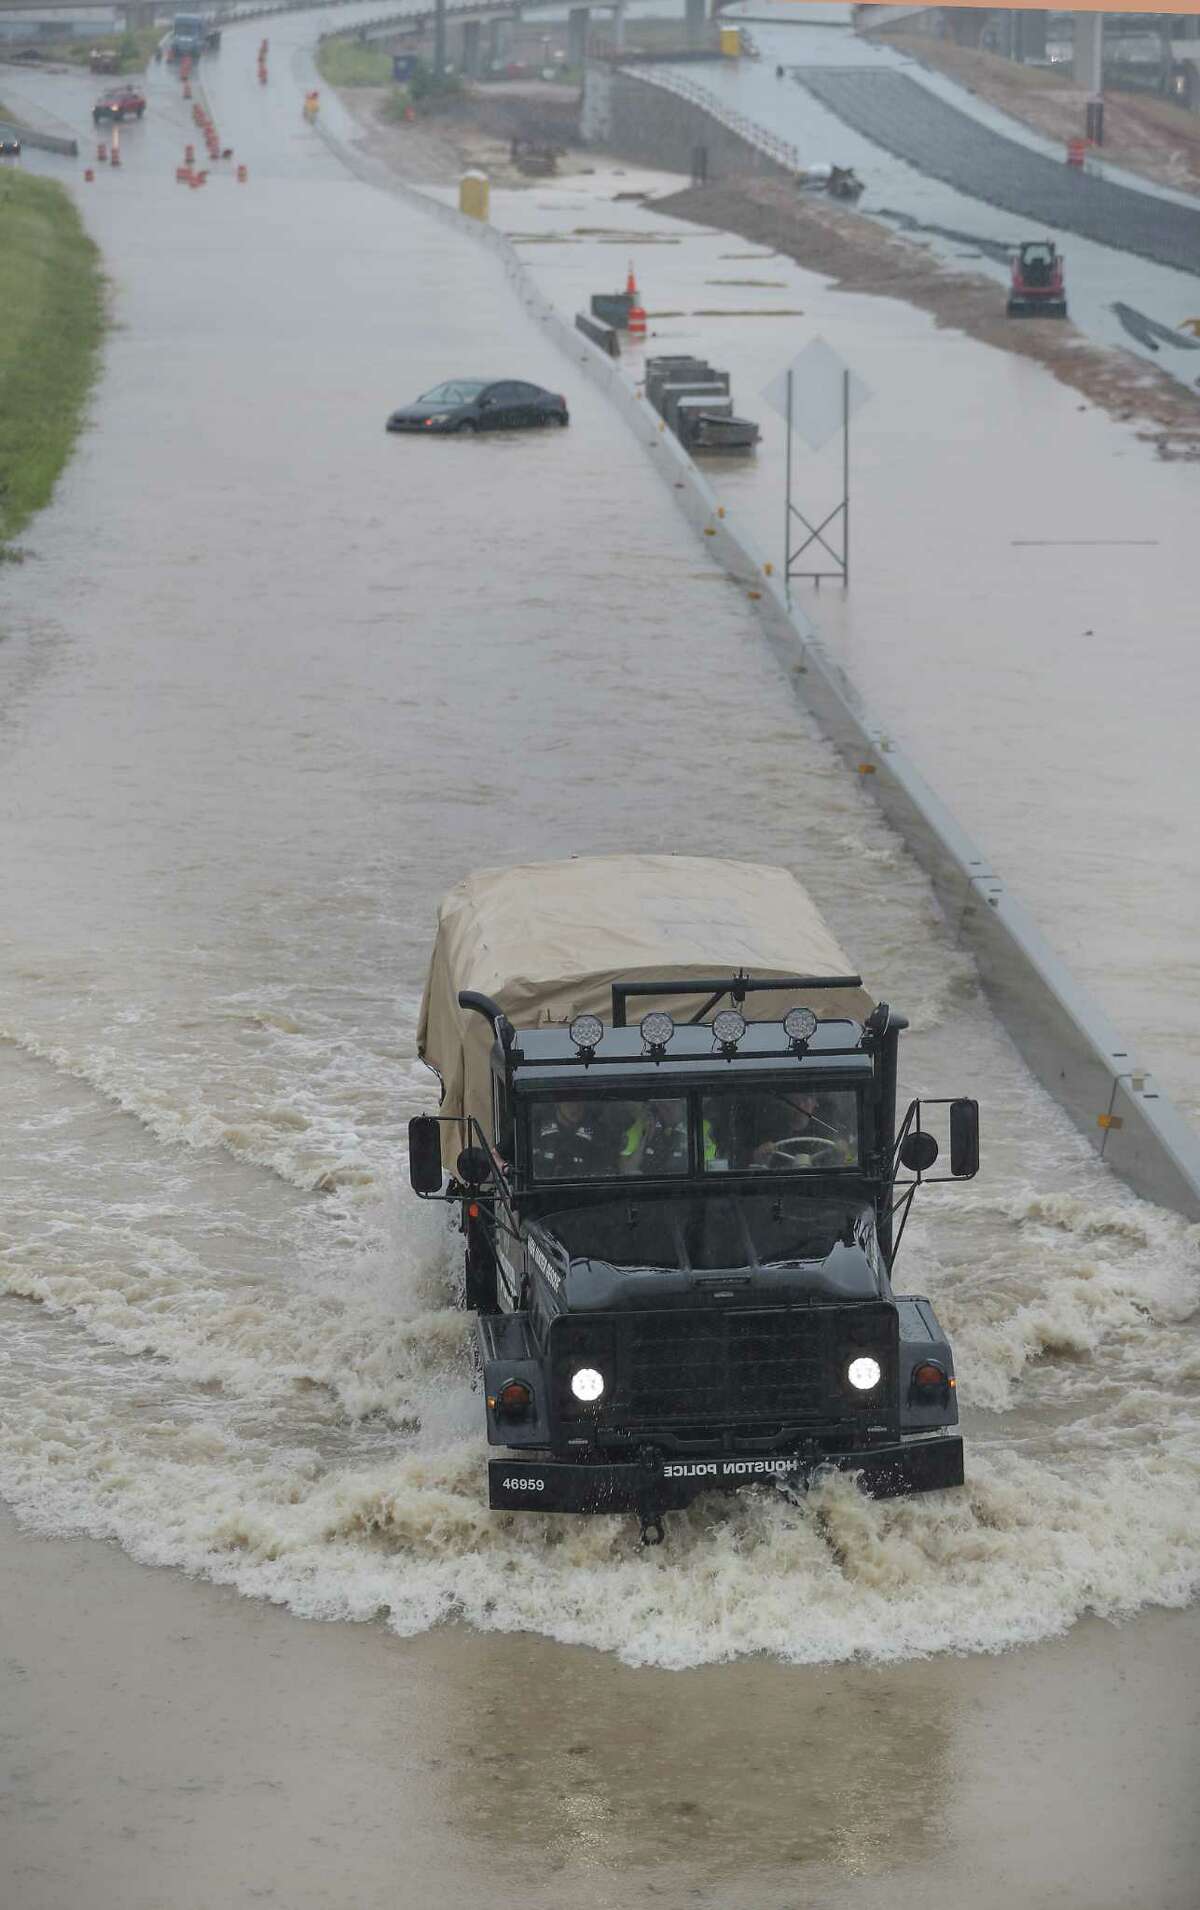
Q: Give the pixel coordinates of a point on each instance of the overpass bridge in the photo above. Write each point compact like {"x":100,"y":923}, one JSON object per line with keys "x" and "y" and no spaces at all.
{"x":471,"y":15}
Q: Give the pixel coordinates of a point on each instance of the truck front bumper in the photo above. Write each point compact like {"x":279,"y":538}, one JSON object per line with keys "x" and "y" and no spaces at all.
{"x":562,"y":1485}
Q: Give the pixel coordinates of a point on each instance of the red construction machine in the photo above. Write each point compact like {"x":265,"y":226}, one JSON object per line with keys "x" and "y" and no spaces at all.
{"x":1037,"y":289}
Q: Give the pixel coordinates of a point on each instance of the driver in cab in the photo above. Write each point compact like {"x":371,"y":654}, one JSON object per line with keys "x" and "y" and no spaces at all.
{"x":802,"y":1135}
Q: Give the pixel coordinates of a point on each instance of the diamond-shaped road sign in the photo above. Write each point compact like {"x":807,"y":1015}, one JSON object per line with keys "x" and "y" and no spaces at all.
{"x":817,"y":396}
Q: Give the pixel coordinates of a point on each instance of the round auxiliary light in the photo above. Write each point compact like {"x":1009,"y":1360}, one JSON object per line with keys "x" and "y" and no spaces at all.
{"x":729,"y":1026}
{"x":587,"y":1031}
{"x":657,"y":1028}
{"x":587,"y":1384}
{"x":864,"y":1374}
{"x":800,"y":1024}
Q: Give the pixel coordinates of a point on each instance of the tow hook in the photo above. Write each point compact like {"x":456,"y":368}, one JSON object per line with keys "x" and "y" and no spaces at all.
{"x":649,"y":1511}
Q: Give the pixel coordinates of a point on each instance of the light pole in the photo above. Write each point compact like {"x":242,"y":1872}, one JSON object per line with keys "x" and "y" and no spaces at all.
{"x":439,"y":39}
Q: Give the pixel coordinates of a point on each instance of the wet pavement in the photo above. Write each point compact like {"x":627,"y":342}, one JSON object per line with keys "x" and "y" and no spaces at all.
{"x":903,"y":117}
{"x":1098,"y":275}
{"x":1016,"y":617}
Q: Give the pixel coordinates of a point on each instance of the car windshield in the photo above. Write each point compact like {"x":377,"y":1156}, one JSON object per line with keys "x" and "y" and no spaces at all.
{"x":609,"y":1140}
{"x":456,"y":391}
{"x":759,"y":1130}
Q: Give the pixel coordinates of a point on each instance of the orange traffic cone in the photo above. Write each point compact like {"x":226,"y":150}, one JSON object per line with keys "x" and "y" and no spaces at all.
{"x":636,"y":320}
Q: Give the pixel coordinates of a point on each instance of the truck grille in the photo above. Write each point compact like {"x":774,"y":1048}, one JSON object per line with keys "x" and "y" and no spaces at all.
{"x":770,"y":1365}
{"x":747,"y":1365}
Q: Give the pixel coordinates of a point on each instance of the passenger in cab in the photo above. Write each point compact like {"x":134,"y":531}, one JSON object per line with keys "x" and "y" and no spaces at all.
{"x":566,"y":1144}
{"x":656,"y":1140}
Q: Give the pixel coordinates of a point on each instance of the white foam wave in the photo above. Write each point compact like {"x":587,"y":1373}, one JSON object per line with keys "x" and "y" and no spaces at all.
{"x":1020,"y":1555}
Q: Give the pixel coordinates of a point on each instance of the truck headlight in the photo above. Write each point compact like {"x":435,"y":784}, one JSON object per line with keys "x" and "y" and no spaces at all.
{"x":864,"y":1374}
{"x":587,"y":1384}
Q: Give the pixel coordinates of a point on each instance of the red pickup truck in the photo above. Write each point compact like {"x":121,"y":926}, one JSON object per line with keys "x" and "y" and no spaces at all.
{"x":120,"y":102}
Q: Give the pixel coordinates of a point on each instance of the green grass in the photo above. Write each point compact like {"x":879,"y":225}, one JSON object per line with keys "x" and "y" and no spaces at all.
{"x":347,"y":63}
{"x":52,"y":297}
{"x":134,"y":50}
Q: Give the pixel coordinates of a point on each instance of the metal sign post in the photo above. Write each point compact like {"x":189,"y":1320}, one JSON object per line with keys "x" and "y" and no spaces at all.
{"x":816,"y":395}
{"x":816,"y":532}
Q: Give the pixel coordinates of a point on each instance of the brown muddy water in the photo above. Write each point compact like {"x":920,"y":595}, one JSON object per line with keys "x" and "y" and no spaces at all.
{"x":270,"y":681}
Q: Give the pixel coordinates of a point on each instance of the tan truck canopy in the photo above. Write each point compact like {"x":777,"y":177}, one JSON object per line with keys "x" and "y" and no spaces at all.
{"x":546,"y":941}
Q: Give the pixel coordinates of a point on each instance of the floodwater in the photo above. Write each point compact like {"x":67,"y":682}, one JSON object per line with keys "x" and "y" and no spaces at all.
{"x":270,"y":681}
{"x":1019,"y":617}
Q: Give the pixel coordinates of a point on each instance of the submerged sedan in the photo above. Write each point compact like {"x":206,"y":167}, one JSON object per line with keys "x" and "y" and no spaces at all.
{"x":474,"y":404}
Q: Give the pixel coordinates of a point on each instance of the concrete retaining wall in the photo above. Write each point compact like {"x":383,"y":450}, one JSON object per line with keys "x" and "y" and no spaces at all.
{"x":1068,"y":1044}
{"x":659,"y":128}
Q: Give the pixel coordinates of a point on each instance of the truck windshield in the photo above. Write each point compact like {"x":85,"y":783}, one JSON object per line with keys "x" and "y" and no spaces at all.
{"x":741,"y":1130}
{"x":607,"y":1140}
{"x":751,"y":1130}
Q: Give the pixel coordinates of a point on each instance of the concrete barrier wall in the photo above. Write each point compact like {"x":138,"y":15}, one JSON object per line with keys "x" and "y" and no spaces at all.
{"x":605,"y":336}
{"x":1068,"y":1044}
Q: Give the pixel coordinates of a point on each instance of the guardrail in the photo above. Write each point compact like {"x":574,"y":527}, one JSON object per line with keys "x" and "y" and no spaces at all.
{"x":413,"y":16}
{"x":781,"y":151}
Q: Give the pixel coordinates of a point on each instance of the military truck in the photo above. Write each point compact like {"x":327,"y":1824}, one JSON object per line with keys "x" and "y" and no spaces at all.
{"x":668,"y":1115}
{"x":193,"y":34}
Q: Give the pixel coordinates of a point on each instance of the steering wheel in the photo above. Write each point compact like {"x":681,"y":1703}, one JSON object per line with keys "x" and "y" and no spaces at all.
{"x":803,"y":1150}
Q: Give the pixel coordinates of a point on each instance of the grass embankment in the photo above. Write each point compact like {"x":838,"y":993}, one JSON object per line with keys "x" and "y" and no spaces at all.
{"x":134,"y":50}
{"x":52,"y":297}
{"x":351,"y":63}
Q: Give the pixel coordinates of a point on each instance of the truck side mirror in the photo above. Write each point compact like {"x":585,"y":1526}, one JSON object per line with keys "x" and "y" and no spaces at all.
{"x":424,"y":1154}
{"x":964,"y":1139}
{"x":918,"y":1152}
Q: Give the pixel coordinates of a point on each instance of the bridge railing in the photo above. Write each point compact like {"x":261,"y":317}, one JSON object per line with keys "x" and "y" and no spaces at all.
{"x":764,"y":141}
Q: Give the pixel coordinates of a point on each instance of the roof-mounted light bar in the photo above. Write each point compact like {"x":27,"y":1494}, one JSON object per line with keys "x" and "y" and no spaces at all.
{"x":656,"y":1030}
{"x":800,"y":1025}
{"x":728,"y":1028}
{"x":587,"y":1032}
{"x":737,"y":987}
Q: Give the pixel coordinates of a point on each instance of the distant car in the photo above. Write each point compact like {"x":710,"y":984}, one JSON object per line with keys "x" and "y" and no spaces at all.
{"x":10,"y":146}
{"x":474,"y":404}
{"x":120,"y":102}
